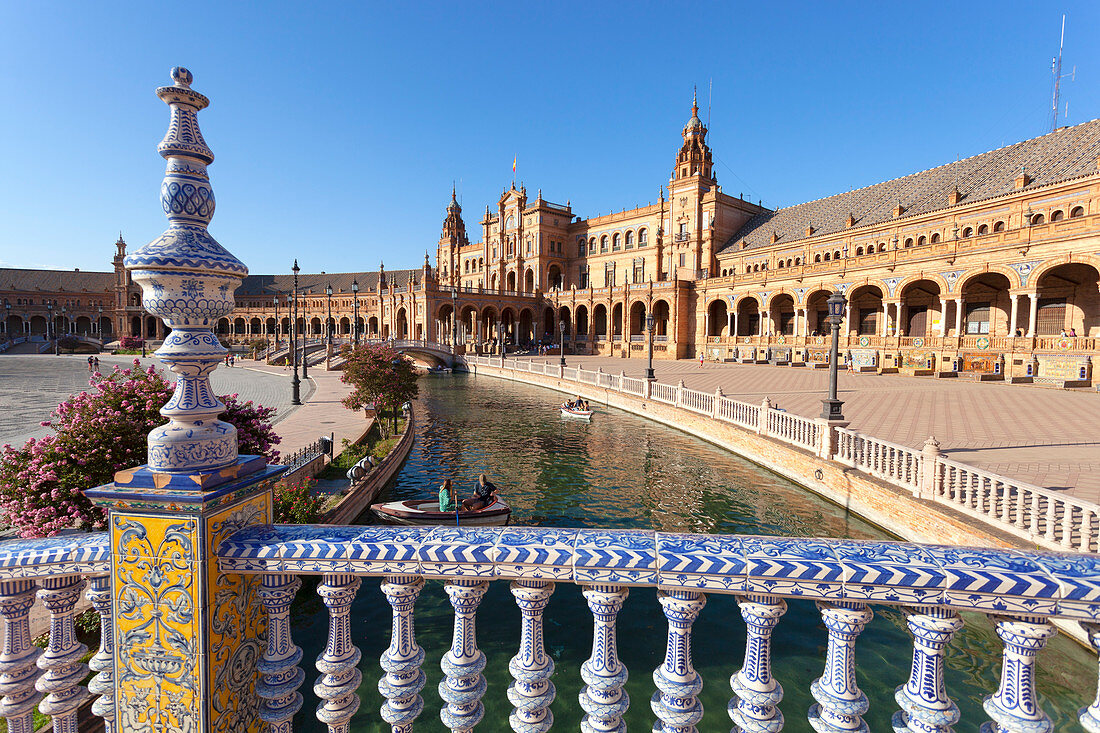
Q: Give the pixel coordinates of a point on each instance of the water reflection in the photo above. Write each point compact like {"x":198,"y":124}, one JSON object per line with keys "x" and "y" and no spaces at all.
{"x":623,"y":471}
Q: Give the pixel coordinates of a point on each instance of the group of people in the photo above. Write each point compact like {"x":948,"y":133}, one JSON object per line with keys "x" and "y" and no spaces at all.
{"x":93,"y":364}
{"x":577,"y":404}
{"x":485,"y":495}
{"x":230,"y":359}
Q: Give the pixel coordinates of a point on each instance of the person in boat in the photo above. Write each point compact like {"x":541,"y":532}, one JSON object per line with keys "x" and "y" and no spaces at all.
{"x":485,"y":494}
{"x":448,"y":497}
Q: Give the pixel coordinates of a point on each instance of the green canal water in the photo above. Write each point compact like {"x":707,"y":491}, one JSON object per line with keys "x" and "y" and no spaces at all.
{"x":622,"y":471}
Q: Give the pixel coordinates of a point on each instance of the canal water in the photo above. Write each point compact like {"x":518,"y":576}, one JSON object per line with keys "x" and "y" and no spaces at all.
{"x":622,"y":471}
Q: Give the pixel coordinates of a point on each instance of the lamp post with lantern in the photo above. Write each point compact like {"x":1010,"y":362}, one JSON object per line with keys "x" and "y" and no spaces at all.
{"x":830,"y":408}
{"x":454,"y":320}
{"x":561,"y":333}
{"x":649,"y":330}
{"x":328,"y":321}
{"x":355,"y":311}
{"x":275,"y":301}
{"x":295,"y":383}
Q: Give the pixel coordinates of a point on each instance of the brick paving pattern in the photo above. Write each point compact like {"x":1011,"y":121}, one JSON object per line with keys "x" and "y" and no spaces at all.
{"x":1048,"y":437}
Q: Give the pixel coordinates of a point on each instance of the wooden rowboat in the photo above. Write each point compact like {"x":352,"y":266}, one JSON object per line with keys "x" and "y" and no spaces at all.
{"x":426,"y":512}
{"x":567,"y":411}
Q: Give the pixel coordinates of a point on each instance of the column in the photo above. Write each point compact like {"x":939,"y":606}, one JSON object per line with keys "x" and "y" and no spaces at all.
{"x":899,"y":323}
{"x":339,"y":662}
{"x":797,"y":331}
{"x":280,"y":675}
{"x":531,"y":692}
{"x":1033,"y":313}
{"x":958,"y":316}
{"x":885,"y":330}
{"x":186,"y":652}
{"x":756,"y":693}
{"x":847,"y":319}
{"x":925,"y":706}
{"x":1014,"y":706}
{"x":103,"y":663}
{"x":675,"y":703}
{"x":64,"y":671}
{"x":603,"y":698}
{"x":736,"y":327}
{"x":404,"y":678}
{"x":943,"y":317}
{"x":731,"y":318}
{"x":464,"y":685}
{"x":1090,"y":716}
{"x":17,"y":664}
{"x":840,"y":702}
{"x":1014,"y":297}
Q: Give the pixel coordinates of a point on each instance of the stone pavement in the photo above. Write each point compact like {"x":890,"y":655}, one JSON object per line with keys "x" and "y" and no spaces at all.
{"x":32,"y":386}
{"x":1048,"y":437}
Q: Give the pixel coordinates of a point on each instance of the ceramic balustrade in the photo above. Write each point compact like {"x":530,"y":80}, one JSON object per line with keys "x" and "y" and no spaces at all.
{"x":1045,"y":517}
{"x":1023,"y":592}
{"x":880,"y":458}
{"x":55,"y":571}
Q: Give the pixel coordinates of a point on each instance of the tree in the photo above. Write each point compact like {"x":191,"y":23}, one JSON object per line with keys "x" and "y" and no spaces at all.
{"x":97,"y":433}
{"x":379,"y":376}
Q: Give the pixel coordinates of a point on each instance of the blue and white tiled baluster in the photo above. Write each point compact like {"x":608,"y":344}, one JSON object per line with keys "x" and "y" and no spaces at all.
{"x":280,"y":673}
{"x":61,"y":660}
{"x":18,"y":669}
{"x":532,"y":691}
{"x":187,"y":280}
{"x":103,"y":684}
{"x":603,"y":698}
{"x":464,"y":684}
{"x":675,"y":703}
{"x":756,"y":693}
{"x":925,"y":706}
{"x":840,"y":703}
{"x":404,"y":679}
{"x":339,"y":662}
{"x":1090,"y":716}
{"x":1015,"y":707}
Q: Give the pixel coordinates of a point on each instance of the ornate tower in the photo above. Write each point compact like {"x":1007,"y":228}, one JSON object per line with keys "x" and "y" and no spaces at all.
{"x":452,"y":238}
{"x":122,"y":282}
{"x":694,"y":157}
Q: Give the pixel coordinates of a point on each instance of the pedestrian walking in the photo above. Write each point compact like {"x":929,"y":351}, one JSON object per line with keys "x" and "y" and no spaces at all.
{"x":95,"y":364}
{"x":701,"y":355}
{"x":89,"y":365}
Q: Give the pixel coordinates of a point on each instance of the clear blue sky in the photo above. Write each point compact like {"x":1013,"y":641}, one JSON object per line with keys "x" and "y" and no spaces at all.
{"x":338,"y":127}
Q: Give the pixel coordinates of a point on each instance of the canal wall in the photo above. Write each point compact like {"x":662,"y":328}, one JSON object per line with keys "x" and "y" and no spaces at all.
{"x":889,"y":507}
{"x":361,"y":494}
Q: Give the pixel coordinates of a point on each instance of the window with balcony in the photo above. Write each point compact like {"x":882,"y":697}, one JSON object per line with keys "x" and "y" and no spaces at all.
{"x":643,"y":237}
{"x":630,"y":240}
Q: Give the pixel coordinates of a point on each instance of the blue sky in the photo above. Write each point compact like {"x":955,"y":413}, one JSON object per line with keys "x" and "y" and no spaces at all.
{"x":338,"y":128}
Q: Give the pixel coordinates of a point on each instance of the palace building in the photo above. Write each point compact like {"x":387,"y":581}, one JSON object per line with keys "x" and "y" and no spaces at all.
{"x":988,"y":265}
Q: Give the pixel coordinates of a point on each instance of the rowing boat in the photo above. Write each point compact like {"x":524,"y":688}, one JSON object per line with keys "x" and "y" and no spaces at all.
{"x":426,"y":512}
{"x":567,"y":411}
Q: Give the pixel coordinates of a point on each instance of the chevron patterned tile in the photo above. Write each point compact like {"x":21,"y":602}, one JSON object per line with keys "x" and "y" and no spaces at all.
{"x":700,"y":562}
{"x":801,"y":567}
{"x":1078,"y":577}
{"x":995,"y":581}
{"x":387,"y":549}
{"x":892,"y":573}
{"x":536,"y":553}
{"x":624,"y":557}
{"x":448,"y":552}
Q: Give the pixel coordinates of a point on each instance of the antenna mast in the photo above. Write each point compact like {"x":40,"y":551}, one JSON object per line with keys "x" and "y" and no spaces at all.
{"x":1056,"y":69}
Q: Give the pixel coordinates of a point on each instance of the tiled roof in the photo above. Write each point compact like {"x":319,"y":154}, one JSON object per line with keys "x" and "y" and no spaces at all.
{"x":1067,"y":153}
{"x":75,"y":281}
{"x":340,"y":281}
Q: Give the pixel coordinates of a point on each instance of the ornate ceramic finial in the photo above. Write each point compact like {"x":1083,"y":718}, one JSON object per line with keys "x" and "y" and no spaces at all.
{"x":187,"y":280}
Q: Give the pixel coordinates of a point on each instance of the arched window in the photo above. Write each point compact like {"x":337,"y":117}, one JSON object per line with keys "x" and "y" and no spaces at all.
{"x":922,"y":240}
{"x":643,"y":237}
{"x":789,"y":262}
{"x":999,"y":226}
{"x":1076,"y":212}
{"x":882,"y":246}
{"x":836,"y":255}
{"x":580,"y":248}
{"x":983,"y":229}
{"x":828,"y":255}
{"x":510,"y":223}
{"x":859,"y":251}
{"x":936,"y":238}
{"x":617,"y":242}
{"x":748,"y":269}
{"x":629,"y":240}
{"x":780,"y":264}
{"x":480,"y":263}
{"x":968,"y":232}
{"x":908,"y":242}
{"x":817,"y":258}
{"x":1038,"y":219}
{"x":603,"y":244}
{"x":1057,"y":215}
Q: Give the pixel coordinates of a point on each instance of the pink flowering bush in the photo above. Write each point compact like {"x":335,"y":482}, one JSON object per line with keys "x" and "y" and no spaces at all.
{"x":97,"y":433}
{"x":130,"y":342}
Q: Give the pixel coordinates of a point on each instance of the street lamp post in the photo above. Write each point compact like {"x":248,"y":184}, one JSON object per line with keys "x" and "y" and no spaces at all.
{"x":275,"y":301}
{"x":295,"y":383}
{"x":99,"y":323}
{"x":649,"y":329}
{"x":328,"y":321}
{"x":50,"y":326}
{"x":830,"y":408}
{"x":500,"y":337}
{"x":306,"y":328}
{"x":7,"y":318}
{"x":561,"y":332}
{"x":355,"y":311}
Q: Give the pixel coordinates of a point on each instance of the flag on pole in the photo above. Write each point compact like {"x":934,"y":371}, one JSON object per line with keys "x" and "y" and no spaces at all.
{"x":514,"y":163}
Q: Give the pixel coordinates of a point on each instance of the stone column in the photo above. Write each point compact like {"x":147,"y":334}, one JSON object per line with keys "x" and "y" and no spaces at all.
{"x":885,"y":330}
{"x":531,"y":692}
{"x":1033,"y":313}
{"x":1014,"y":298}
{"x":603,"y":698}
{"x":847,"y":330}
{"x":943,"y":317}
{"x":187,"y":637}
{"x":958,"y":317}
{"x":736,"y":327}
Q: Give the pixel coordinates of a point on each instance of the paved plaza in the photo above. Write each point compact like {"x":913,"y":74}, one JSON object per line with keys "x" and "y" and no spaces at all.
{"x":1048,"y":437}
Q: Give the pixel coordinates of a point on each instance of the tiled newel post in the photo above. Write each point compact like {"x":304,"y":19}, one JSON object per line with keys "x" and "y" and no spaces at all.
{"x":840,"y":703}
{"x":603,"y":698}
{"x":531,"y":692}
{"x":675,"y":703}
{"x":1015,"y":706}
{"x":464,"y":685}
{"x":754,"y":709}
{"x":925,"y":706}
{"x":187,"y":638}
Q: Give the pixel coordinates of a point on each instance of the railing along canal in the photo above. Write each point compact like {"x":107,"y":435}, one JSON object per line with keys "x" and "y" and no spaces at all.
{"x":1045,"y":517}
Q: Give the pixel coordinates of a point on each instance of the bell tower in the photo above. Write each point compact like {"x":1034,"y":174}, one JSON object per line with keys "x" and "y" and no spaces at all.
{"x":451,"y":240}
{"x":691,"y":194}
{"x":694,"y":157}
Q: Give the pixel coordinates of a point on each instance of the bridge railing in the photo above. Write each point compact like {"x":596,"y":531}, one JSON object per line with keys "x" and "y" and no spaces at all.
{"x":1023,"y":593}
{"x":1043,"y":516}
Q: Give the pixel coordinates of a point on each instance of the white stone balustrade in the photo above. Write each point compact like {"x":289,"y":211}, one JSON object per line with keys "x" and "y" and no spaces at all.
{"x":1047,"y":518}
